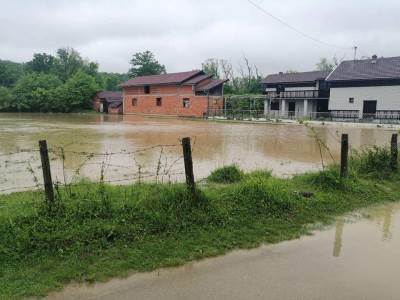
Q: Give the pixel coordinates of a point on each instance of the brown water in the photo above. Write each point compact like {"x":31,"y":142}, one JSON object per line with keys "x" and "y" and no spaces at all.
{"x":358,"y":258}
{"x":285,"y":149}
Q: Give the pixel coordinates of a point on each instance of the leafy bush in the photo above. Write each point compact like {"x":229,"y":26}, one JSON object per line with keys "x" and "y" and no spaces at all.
{"x":227,"y":174}
{"x":373,"y":162}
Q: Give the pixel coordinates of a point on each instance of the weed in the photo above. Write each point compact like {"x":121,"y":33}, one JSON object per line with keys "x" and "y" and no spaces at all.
{"x":227,"y":174}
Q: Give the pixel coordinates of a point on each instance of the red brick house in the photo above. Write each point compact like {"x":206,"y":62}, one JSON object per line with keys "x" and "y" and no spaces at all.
{"x":108,"y":102}
{"x":189,"y":94}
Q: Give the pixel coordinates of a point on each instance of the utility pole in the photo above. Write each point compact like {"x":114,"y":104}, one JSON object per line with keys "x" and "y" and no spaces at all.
{"x":355,"y":52}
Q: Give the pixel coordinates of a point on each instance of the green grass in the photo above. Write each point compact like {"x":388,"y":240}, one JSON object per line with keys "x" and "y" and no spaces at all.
{"x":96,"y":232}
{"x":227,"y":174}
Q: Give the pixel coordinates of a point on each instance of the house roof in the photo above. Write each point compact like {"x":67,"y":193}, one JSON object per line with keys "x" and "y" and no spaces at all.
{"x":210,"y":84}
{"x":116,"y":104}
{"x":110,"y":96}
{"x":198,"y":79}
{"x":171,"y":78}
{"x":367,"y":69}
{"x":295,"y":77}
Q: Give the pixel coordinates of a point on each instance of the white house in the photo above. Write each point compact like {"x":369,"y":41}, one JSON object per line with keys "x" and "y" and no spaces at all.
{"x":296,"y":94}
{"x":367,"y":88}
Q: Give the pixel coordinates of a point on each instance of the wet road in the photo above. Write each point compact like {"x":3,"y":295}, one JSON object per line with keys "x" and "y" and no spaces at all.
{"x":358,"y":258}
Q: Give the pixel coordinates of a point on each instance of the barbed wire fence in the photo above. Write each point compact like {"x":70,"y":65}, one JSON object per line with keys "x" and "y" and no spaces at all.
{"x":25,"y":169}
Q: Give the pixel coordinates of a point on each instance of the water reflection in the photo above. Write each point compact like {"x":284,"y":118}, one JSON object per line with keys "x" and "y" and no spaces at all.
{"x":337,"y":245}
{"x":380,"y":216}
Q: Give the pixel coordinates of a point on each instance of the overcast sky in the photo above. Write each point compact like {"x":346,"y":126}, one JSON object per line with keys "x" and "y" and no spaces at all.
{"x":183,"y":33}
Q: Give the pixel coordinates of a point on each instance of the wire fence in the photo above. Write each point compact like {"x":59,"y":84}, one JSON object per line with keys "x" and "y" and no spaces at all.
{"x":22,"y":169}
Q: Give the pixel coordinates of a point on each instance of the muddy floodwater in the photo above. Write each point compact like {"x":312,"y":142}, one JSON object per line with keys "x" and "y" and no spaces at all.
{"x":357,"y":258}
{"x":92,"y":141}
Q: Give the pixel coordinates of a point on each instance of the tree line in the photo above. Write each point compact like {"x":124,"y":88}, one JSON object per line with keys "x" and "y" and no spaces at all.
{"x":66,"y":82}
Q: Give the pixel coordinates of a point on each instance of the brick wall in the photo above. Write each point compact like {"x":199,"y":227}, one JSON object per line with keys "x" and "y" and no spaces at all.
{"x":96,"y":103}
{"x":171,"y":101}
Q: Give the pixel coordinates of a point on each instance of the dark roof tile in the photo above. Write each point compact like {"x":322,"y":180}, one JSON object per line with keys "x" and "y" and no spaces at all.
{"x":110,"y":96}
{"x":295,"y":77}
{"x":367,"y":69}
{"x":171,"y":78}
{"x":210,"y":84}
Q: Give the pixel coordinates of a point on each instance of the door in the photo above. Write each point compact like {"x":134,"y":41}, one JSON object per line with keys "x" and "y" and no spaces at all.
{"x":322,"y":105}
{"x":292,"y":108}
{"x":369,"y":109}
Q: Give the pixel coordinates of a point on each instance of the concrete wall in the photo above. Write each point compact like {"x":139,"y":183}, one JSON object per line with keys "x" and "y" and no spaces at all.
{"x":387,"y":97}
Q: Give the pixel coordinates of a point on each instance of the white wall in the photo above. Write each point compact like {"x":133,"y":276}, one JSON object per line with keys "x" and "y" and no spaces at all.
{"x":387,"y":97}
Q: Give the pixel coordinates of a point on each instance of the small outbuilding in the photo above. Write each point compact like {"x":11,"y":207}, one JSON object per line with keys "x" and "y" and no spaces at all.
{"x":108,"y":102}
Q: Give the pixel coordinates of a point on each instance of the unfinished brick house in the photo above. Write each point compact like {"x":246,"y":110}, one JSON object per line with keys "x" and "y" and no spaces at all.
{"x":189,"y":94}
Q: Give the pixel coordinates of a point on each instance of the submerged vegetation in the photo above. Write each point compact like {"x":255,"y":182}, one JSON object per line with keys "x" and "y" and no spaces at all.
{"x":96,"y":231}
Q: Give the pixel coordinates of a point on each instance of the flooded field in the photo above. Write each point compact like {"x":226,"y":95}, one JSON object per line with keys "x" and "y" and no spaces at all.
{"x":92,"y":141}
{"x":356,"y":259}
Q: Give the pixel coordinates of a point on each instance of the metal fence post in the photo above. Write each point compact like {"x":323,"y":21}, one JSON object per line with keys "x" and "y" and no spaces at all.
{"x":394,"y":152}
{"x":344,"y":156}
{"x":187,"y":157}
{"x":48,"y":183}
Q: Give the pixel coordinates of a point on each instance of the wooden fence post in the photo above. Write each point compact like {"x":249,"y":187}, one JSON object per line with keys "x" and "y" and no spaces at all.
{"x":394,"y":152}
{"x":344,"y":155}
{"x":48,"y":183}
{"x":187,"y":157}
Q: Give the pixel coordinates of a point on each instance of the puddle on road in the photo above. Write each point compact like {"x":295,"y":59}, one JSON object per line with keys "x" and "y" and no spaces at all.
{"x":284,"y":149}
{"x":358,"y":258}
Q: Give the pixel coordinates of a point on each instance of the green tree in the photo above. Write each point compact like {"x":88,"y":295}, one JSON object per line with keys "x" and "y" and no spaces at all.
{"x":110,"y":81}
{"x":144,"y":63}
{"x":77,"y":93}
{"x":6,"y":99}
{"x":325,"y":64}
{"x":68,"y":63}
{"x":41,"y":63}
{"x":10,"y":72}
{"x":211,"y":67}
{"x":35,"y":92}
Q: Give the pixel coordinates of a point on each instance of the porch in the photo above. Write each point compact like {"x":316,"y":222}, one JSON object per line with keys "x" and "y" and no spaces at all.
{"x":295,"y":107}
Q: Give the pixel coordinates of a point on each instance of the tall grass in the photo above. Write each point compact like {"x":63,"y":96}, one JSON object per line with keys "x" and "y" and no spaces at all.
{"x":97,"y":230}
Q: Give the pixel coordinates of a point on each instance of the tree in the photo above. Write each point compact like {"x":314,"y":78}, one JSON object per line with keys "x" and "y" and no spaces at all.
{"x":41,"y":63}
{"x":211,"y":67}
{"x":6,"y":99}
{"x":144,"y":63}
{"x":110,"y":81}
{"x":325,"y":65}
{"x":77,"y":93}
{"x":68,"y":63}
{"x":35,"y":92}
{"x":10,"y":72}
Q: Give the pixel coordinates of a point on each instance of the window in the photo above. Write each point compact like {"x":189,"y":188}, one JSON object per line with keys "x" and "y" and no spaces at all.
{"x":186,"y":102}
{"x":158,"y":101}
{"x":351,"y":100}
{"x":134,"y":102}
{"x":275,"y":105}
{"x":147,"y":89}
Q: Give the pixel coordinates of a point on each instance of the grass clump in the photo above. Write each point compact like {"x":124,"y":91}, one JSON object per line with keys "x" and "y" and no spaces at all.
{"x":97,"y":231}
{"x":227,"y":174}
{"x":372,"y":162}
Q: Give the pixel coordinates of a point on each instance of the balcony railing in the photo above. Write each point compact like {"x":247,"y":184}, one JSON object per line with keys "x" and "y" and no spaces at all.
{"x":294,"y":94}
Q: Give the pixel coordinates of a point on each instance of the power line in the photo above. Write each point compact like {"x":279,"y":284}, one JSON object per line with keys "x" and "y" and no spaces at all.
{"x":295,"y":29}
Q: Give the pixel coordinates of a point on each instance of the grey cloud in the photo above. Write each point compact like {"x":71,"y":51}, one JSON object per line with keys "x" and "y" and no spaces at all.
{"x":183,"y":33}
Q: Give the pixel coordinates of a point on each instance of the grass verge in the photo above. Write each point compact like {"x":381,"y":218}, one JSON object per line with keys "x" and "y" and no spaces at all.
{"x":95,"y":232}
